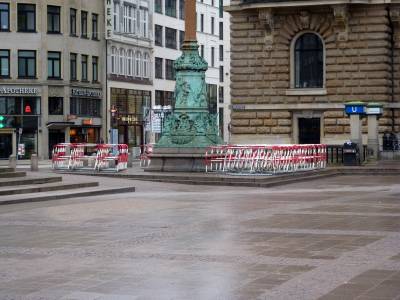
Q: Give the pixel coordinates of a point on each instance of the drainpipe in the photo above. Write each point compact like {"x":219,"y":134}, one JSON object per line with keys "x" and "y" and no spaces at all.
{"x":106,"y":114}
{"x":392,"y":44}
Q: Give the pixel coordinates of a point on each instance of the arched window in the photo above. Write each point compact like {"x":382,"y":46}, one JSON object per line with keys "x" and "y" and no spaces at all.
{"x":114,"y":60}
{"x":308,"y":61}
{"x":122,"y":61}
{"x":146,"y":65}
{"x":138,"y":64}
{"x":129,"y":63}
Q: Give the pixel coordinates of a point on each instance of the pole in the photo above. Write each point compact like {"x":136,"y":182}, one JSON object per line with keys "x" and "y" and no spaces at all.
{"x":190,"y":20}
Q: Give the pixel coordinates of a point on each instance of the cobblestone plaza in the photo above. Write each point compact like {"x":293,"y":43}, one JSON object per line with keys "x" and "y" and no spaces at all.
{"x":335,"y":238}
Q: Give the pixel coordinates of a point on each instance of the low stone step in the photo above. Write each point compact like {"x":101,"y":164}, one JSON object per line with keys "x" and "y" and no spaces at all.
{"x":6,"y":170}
{"x":12,"y":174}
{"x":27,"y":181}
{"x":47,"y":188}
{"x":16,"y":199}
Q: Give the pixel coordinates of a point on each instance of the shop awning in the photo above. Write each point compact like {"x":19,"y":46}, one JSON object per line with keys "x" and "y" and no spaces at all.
{"x":59,"y":124}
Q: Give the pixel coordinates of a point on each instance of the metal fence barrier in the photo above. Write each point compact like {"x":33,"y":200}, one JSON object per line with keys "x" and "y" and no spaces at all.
{"x":82,"y":156}
{"x":265,"y":159}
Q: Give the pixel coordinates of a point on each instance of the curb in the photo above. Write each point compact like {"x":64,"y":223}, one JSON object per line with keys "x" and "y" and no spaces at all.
{"x":43,"y":189}
{"x":42,"y":180}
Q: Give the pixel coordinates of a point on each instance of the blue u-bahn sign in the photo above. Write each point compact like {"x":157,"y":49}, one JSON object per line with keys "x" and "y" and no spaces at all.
{"x":356,"y":108}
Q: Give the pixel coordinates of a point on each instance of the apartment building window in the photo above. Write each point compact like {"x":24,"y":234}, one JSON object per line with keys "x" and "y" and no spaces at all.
{"x":158,"y":33}
{"x":146,"y":65}
{"x":169,"y":69}
{"x":73,"y":65}
{"x":221,"y":8}
{"x":221,"y":53}
{"x":212,"y":2}
{"x":4,"y":63}
{"x":158,"y":6}
{"x":4,"y":17}
{"x":221,"y":94}
{"x":128,"y":19}
{"x":138,"y":67}
{"x":201,"y":22}
{"x":182,"y":9}
{"x":84,"y":67}
{"x":85,"y":107}
{"x":221,"y":73}
{"x":95,"y":68}
{"x":84,"y":28}
{"x":27,"y":17}
{"x":114,"y":60}
{"x":158,"y":67}
{"x":164,"y":98}
{"x":72,"y":22}
{"x":26,"y":64}
{"x":212,"y":98}
{"x":53,"y":19}
{"x":95,"y":26}
{"x":202,"y":51}
{"x":212,"y":56}
{"x":56,"y":106}
{"x":221,"y":31}
{"x":181,"y":38}
{"x":54,"y":65}
{"x":116,"y":16}
{"x":212,"y":25}
{"x":170,"y":38}
{"x":122,"y":67}
{"x":170,"y":8}
{"x":143,"y":22}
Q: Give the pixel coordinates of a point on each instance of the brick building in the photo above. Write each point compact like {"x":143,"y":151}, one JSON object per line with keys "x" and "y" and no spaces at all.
{"x":295,"y":63}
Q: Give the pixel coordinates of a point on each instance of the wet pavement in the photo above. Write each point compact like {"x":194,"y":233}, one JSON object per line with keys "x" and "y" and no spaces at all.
{"x":334,"y":238}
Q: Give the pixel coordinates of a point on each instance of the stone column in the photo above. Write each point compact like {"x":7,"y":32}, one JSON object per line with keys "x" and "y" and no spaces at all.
{"x":374,"y":110}
{"x":356,"y":110}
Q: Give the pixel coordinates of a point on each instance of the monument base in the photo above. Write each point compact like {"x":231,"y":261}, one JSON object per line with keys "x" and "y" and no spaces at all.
{"x":177,"y":160}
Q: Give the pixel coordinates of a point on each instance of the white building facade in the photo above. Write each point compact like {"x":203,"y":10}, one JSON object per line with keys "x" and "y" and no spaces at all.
{"x":129,"y":69}
{"x":213,"y":39}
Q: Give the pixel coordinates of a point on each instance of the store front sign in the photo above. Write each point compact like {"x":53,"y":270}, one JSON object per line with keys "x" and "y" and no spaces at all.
{"x":18,"y":91}
{"x":128,"y":119}
{"x":87,"y":122}
{"x":109,"y":18}
{"x":86,"y":93}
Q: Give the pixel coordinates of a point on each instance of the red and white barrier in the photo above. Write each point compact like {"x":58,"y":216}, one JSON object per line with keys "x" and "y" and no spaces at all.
{"x":76,"y":156}
{"x":265,"y":159}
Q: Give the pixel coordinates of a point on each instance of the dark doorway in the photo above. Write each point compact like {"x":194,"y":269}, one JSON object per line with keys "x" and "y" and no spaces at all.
{"x":309,"y":130}
{"x":55,"y":137}
{"x":5,"y":145}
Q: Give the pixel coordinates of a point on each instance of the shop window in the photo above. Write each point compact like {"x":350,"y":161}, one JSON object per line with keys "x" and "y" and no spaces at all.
{"x":85,"y":107}
{"x":26,"y":64}
{"x":308,"y":61}
{"x":30,"y":106}
{"x":53,"y":19}
{"x":54,"y":65}
{"x":10,"y":106}
{"x":170,"y":38}
{"x":158,"y":6}
{"x":84,"y":67}
{"x":169,"y":69}
{"x":26,"y":17}
{"x":56,"y":106}
{"x":170,"y":8}
{"x":95,"y":68}
{"x":158,"y":34}
{"x":4,"y":17}
{"x":84,"y":27}
{"x":95,"y":26}
{"x":73,"y":66}
{"x":72,"y":22}
{"x":158,"y":67}
{"x":4,"y":63}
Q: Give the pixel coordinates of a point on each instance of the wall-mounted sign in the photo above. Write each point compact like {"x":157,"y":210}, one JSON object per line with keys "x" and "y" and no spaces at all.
{"x":109,"y":18}
{"x":238,"y":107}
{"x":18,"y":91}
{"x":128,"y":119}
{"x":355,"y":108}
{"x":86,"y":93}
{"x":374,"y":110}
{"x":87,"y":122}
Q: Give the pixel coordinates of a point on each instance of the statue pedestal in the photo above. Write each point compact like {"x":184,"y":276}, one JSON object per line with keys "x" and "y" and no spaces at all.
{"x":177,"y":160}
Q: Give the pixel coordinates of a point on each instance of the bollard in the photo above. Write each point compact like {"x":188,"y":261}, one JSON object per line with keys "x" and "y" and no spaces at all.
{"x":130,"y":160}
{"x":34,"y":163}
{"x":12,"y":162}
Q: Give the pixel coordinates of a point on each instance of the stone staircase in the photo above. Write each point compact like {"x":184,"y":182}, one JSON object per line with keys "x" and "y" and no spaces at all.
{"x":21,"y":187}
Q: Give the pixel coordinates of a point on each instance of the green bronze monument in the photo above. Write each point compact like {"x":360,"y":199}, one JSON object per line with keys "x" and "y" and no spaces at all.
{"x":190,"y":128}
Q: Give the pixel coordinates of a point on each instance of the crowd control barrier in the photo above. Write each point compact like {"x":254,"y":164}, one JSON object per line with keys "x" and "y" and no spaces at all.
{"x":98,"y":157}
{"x":265,"y":159}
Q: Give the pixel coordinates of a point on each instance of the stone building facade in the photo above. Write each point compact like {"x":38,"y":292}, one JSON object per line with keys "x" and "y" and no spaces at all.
{"x":294,"y":66}
{"x":51,"y":74}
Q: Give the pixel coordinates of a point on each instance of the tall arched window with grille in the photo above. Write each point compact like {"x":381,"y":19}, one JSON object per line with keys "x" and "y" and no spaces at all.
{"x":308,"y":55}
{"x":138,"y":64}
